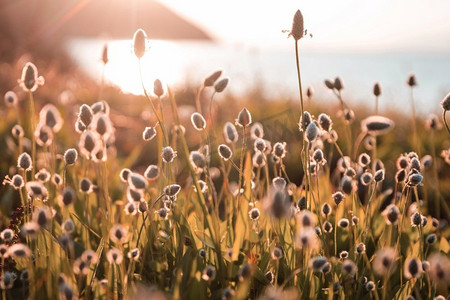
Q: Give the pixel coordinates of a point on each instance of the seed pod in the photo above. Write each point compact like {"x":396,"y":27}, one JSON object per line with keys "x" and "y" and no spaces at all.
{"x":198,"y":121}
{"x":70,"y":156}
{"x":158,"y":89}
{"x":211,"y":79}
{"x":377,"y":89}
{"x":221,"y":85}
{"x":140,"y":43}
{"x":11,"y":99}
{"x":244,"y":118}
{"x":298,"y":29}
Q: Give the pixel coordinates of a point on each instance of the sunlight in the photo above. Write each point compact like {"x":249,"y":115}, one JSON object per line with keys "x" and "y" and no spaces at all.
{"x":162,"y":61}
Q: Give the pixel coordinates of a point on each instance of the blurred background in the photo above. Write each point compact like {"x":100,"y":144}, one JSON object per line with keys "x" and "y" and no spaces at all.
{"x":361,"y":42}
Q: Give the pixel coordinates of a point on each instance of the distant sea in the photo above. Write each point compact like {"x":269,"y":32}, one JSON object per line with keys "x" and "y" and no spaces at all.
{"x":272,"y":70}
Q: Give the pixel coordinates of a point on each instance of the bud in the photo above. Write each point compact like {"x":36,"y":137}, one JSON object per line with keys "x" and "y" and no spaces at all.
{"x":412,"y":80}
{"x":158,"y":89}
{"x":230,"y":133}
{"x":377,"y":125}
{"x":24,"y":162}
{"x":445,"y":103}
{"x":257,"y":131}
{"x":86,"y":114}
{"x":329,"y":84}
{"x":140,"y":43}
{"x":311,"y":132}
{"x":221,"y":85}
{"x":70,"y":156}
{"x":168,"y":154}
{"x":338,"y":84}
{"x":30,"y":79}
{"x":17,"y":131}
{"x":68,"y":197}
{"x":377,"y":89}
{"x":149,"y":133}
{"x":11,"y":99}
{"x":152,"y":172}
{"x":325,"y":122}
{"x":244,"y":118}
{"x":211,"y":79}
{"x":198,"y":121}
{"x":225,"y":152}
{"x":105,"y":54}
{"x":297,"y":30}
{"x":198,"y":161}
{"x":309,"y":92}
{"x":50,"y":116}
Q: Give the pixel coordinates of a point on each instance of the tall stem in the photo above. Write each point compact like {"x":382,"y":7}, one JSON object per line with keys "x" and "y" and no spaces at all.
{"x":33,"y":128}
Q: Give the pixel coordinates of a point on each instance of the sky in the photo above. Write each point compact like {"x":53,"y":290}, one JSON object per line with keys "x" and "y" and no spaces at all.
{"x":350,"y":25}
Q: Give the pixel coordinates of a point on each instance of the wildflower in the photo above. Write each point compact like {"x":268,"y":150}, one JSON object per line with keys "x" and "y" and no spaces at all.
{"x":19,"y":250}
{"x":137,"y":181}
{"x":278,"y":204}
{"x":152,"y":172}
{"x":86,"y":115}
{"x":90,"y":143}
{"x":134,"y":254}
{"x":30,"y":229}
{"x":257,"y":131}
{"x":318,"y":263}
{"x":347,"y":185}
{"x":17,"y":131}
{"x":360,"y":248}
{"x":343,"y":254}
{"x":325,"y":210}
{"x":225,"y":152}
{"x":221,"y":85}
{"x":431,"y":239}
{"x":349,"y":267}
{"x":343,"y":223}
{"x":379,"y":175}
{"x":11,"y":99}
{"x":209,"y":273}
{"x":7,"y":235}
{"x":413,"y":268}
{"x":16,"y":181}
{"x":301,"y":203}
{"x":297,"y":30}
{"x":68,"y":226}
{"x":198,"y":161}
{"x":338,"y":197}
{"x":279,"y":150}
{"x":311,"y":132}
{"x":198,"y":121}
{"x":445,"y":103}
{"x":24,"y":162}
{"x":158,"y":89}
{"x":260,"y":145}
{"x":439,"y":270}
{"x":329,"y":84}
{"x":4,"y":251}
{"x":7,"y":280}
{"x":325,"y":122}
{"x":338,"y":84}
{"x":30,"y":79}
{"x":118,"y":234}
{"x":70,"y":156}
{"x":172,"y":190}
{"x":384,"y":261}
{"x":377,"y":125}
{"x":50,"y":116}
{"x":414,"y":179}
{"x":245,"y":272}
{"x":306,"y":238}
{"x":391,"y":214}
{"x":364,"y":160}
{"x":149,"y":133}
{"x":327,"y":227}
{"x":411,"y":80}
{"x":254,"y":214}
{"x":370,"y":286}
{"x":68,"y":197}
{"x":168,"y":154}
{"x":139,"y":43}
{"x":114,"y":256}
{"x":36,"y":189}
{"x":244,"y":118}
{"x":377,"y":89}
{"x":211,"y":79}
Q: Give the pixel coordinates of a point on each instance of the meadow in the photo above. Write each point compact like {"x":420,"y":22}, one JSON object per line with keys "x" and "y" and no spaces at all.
{"x":196,"y":194}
